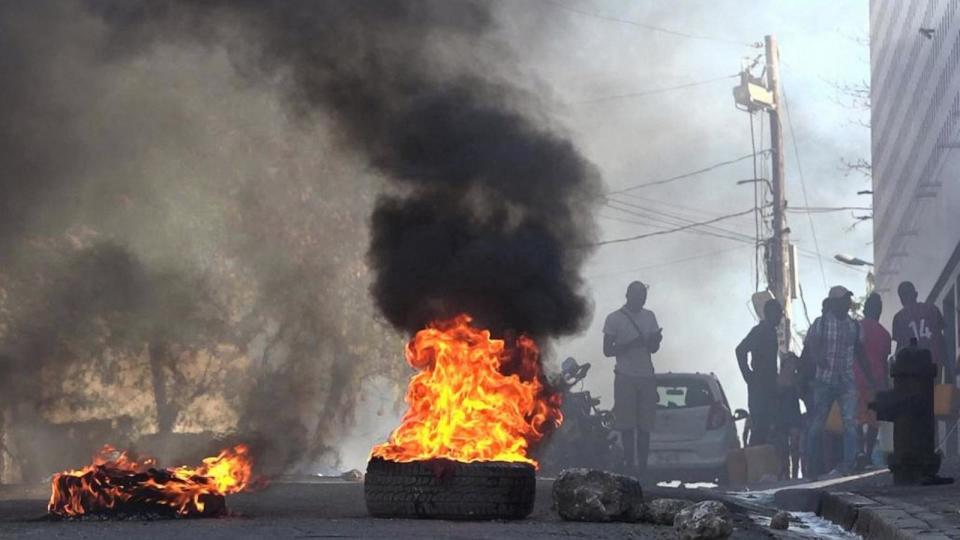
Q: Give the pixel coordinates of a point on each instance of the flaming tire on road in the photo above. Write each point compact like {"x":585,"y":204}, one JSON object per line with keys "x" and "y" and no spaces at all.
{"x":119,"y":485}
{"x":476,"y":410}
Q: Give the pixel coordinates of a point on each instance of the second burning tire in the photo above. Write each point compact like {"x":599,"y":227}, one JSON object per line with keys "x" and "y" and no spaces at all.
{"x":443,"y":489}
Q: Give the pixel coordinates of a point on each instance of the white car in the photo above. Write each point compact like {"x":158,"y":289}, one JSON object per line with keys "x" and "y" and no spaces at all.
{"x":694,"y":429}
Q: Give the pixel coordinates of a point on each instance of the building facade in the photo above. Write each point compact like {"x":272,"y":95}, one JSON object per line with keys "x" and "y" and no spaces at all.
{"x":915,"y":116}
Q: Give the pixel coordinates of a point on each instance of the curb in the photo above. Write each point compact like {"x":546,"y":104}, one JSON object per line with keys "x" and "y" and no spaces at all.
{"x":874,"y":520}
{"x":798,"y":499}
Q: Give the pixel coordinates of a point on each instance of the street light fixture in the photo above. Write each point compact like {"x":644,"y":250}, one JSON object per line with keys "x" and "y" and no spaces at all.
{"x":851,"y":260}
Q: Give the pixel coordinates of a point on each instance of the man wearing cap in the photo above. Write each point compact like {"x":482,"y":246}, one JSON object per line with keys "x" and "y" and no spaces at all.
{"x":631,"y":335}
{"x":924,"y":322}
{"x":834,"y":343}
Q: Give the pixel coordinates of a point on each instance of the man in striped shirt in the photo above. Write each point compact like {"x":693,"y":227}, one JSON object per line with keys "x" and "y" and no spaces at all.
{"x":833,"y":341}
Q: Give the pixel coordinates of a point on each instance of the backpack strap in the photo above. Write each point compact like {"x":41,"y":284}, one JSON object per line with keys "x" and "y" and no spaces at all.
{"x":633,"y":322}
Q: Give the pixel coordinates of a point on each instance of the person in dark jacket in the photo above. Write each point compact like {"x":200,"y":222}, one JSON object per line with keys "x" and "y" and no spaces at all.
{"x":761,"y":346}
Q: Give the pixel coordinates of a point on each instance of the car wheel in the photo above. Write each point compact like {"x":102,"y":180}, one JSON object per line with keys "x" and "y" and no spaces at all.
{"x":443,"y":489}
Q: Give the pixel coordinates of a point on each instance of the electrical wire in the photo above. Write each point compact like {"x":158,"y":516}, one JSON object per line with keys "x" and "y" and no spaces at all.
{"x":699,"y":232}
{"x":803,"y":183}
{"x":721,"y":233}
{"x":692,"y":213}
{"x":667,"y":263}
{"x":700,"y":212}
{"x":766,"y":227}
{"x":756,"y":208}
{"x":672,"y":220}
{"x":803,"y":301}
{"x":650,"y":26}
{"x":826,"y":209}
{"x":653,"y":91}
{"x":681,"y":176}
{"x":698,"y":215}
{"x":669,"y":231}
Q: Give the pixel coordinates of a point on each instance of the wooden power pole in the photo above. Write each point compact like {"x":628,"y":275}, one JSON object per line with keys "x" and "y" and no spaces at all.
{"x":753,"y":94}
{"x":779,"y":274}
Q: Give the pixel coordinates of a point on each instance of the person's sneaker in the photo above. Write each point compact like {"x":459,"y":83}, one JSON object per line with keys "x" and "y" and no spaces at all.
{"x":862,"y":463}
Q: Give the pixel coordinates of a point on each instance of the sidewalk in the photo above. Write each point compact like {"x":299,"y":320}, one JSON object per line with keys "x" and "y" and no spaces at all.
{"x":877,"y":510}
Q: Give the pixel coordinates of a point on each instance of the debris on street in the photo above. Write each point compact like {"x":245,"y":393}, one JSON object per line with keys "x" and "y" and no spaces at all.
{"x":594,"y":495}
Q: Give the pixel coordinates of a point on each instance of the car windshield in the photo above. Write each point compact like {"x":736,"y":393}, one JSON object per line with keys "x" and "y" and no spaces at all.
{"x":683,"y":393}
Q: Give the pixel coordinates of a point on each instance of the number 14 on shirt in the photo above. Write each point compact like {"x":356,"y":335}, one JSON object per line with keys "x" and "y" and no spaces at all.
{"x":921,"y":332}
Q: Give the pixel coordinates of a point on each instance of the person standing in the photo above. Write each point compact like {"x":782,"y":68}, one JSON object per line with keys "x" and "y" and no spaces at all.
{"x":762,"y":346}
{"x":876,"y":350}
{"x":806,"y":375}
{"x":924,"y":322}
{"x":789,"y":421}
{"x":631,"y":335}
{"x":834,"y":343}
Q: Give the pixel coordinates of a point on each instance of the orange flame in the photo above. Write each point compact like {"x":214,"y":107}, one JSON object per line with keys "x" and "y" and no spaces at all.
{"x":117,"y":481}
{"x":474,"y":399}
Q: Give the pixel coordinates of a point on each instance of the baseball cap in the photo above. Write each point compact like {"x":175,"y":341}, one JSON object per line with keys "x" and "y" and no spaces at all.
{"x":839,"y":291}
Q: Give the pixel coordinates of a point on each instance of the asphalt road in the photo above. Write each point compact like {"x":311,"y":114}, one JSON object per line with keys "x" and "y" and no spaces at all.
{"x":314,"y":510}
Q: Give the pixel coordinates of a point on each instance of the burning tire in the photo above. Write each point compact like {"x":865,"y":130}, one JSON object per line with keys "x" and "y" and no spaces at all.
{"x":443,"y":489}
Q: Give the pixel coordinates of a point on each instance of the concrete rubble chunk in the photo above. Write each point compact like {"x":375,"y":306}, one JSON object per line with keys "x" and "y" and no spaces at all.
{"x":595,"y":495}
{"x":707,"y":520}
{"x":353,"y":475}
{"x":664,"y":511}
{"x":780,"y":521}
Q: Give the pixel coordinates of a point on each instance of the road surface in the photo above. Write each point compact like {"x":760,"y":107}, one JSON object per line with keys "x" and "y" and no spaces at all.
{"x":332,"y":509}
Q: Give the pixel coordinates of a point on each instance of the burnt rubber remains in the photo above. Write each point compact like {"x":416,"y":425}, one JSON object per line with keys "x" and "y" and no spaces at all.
{"x":105,"y":495}
{"x":444,"y":489}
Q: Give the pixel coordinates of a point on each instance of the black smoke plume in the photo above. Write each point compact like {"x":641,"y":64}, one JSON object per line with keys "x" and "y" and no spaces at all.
{"x":494,"y":208}
{"x":136,"y":226}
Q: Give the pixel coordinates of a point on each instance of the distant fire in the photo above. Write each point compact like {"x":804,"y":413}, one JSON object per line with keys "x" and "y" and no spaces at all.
{"x":118,"y":482}
{"x":474,"y":399}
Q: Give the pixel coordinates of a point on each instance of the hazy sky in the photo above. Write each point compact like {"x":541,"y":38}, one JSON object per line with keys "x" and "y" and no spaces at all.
{"x":700,"y":285}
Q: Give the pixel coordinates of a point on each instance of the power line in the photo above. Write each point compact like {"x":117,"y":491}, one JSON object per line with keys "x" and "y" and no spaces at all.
{"x":803,"y":300}
{"x":649,"y":26}
{"x":653,"y":91}
{"x":698,"y":214}
{"x":701,"y":212}
{"x":827,"y":209}
{"x":756,"y":209}
{"x":803,"y":183}
{"x":669,"y":231}
{"x":672,"y":220}
{"x":667,"y":263}
{"x":719,"y":233}
{"x":714,"y":232}
{"x":682,"y":176}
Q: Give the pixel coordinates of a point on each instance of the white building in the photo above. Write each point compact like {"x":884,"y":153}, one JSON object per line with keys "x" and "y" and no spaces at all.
{"x":915,"y":93}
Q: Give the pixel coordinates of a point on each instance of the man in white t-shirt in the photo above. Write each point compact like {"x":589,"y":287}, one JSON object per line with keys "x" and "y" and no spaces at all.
{"x":631,"y":335}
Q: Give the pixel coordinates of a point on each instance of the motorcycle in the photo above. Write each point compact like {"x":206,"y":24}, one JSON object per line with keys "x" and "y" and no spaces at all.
{"x":586,"y":437}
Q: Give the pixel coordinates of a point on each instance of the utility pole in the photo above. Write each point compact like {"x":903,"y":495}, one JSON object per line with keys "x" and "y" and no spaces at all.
{"x":754,"y":94}
{"x":779,"y":275}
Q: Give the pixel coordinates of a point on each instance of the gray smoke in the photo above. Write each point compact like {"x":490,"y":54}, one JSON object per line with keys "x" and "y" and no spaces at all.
{"x":495,"y":209}
{"x":159,"y":201}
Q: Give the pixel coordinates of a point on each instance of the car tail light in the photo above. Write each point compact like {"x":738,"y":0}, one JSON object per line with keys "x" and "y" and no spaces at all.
{"x":717,"y":417}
